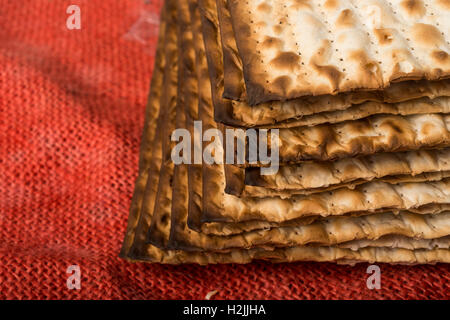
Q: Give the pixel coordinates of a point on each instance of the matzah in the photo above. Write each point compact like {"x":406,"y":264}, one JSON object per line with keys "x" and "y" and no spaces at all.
{"x":150,"y":253}
{"x":311,"y":177}
{"x":255,"y":191}
{"x":291,"y":49}
{"x":307,"y":110}
{"x":395,"y":241}
{"x":381,"y":133}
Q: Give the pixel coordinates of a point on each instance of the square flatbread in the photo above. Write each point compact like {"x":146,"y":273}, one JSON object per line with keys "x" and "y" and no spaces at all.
{"x":294,"y":48}
{"x":227,"y":77}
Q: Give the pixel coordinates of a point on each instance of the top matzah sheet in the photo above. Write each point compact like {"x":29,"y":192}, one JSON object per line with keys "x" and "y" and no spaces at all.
{"x":296,"y":48}
{"x":226,"y":73}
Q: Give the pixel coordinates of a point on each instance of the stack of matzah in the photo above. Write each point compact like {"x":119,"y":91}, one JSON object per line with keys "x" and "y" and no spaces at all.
{"x":360,"y":94}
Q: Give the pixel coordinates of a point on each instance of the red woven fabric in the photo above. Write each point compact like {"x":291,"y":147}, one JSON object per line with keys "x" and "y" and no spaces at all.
{"x":71,"y":115}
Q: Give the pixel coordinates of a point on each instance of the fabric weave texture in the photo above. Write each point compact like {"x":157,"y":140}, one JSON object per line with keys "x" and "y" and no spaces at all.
{"x":71,"y":116}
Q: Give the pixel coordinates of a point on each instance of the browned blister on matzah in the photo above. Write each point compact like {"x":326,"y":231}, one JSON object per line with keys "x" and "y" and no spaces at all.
{"x":291,"y":49}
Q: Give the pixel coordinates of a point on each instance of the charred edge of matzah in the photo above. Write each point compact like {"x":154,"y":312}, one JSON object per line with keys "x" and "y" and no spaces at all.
{"x":210,"y":34}
{"x":223,"y":108}
{"x":140,"y":250}
{"x":157,"y":233}
{"x":252,"y":177}
{"x":180,"y":199}
{"x":152,"y":117}
{"x":256,"y":191}
{"x":234,"y":177}
{"x":194,"y":206}
{"x":406,"y":163}
{"x":234,"y":87}
{"x":363,"y":146}
{"x":271,"y":115}
{"x":185,"y":186}
{"x":426,"y":209}
{"x":324,"y":233}
{"x":256,"y":91}
{"x":365,"y":197}
{"x":144,"y":214}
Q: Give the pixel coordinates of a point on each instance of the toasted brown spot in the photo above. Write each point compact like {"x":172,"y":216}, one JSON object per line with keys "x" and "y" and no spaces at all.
{"x":361,"y":127}
{"x":331,"y":73}
{"x":345,"y":19}
{"x":398,"y":56}
{"x":264,"y":7}
{"x":165,"y":219}
{"x":370,"y":69}
{"x":323,"y":54}
{"x":427,"y":129}
{"x":286,"y":60}
{"x":282,"y":84}
{"x":260,"y":24}
{"x":394,"y":126}
{"x":384,"y":36}
{"x":301,"y":4}
{"x":330,"y":4}
{"x":414,"y":7}
{"x":277,"y":29}
{"x":244,"y":29}
{"x":444,"y":3}
{"x":427,"y":34}
{"x":440,"y":56}
{"x":271,"y":42}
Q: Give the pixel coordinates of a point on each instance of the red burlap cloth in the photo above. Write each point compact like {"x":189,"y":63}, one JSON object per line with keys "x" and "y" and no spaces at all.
{"x":71,"y":115}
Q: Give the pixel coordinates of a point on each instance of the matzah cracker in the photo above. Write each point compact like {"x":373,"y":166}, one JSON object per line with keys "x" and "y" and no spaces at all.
{"x":395,"y":241}
{"x":150,"y":253}
{"x":381,"y":133}
{"x":275,"y":209}
{"x":311,"y":177}
{"x":291,"y":49}
{"x":255,"y":191}
{"x":195,"y":175}
{"x":371,"y":135}
{"x":307,"y":110}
